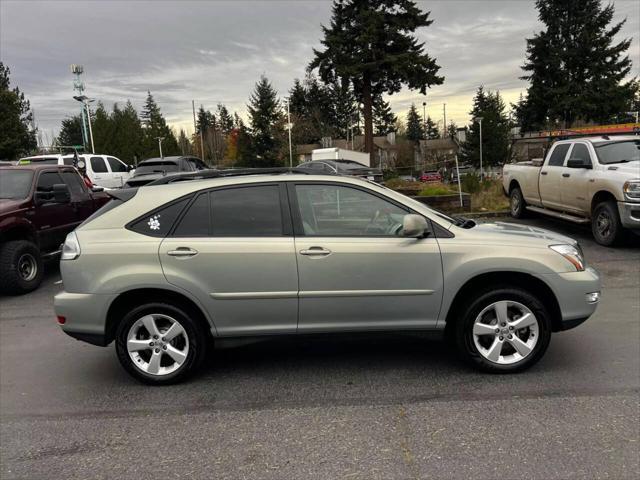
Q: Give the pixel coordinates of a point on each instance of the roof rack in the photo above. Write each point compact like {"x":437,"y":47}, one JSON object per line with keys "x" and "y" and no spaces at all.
{"x":231,"y":172}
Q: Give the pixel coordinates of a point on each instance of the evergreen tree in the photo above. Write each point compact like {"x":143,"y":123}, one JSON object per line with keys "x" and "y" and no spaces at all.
{"x":575,"y":69}
{"x":371,"y":44}
{"x":415,"y":127}
{"x":70,"y":131}
{"x":265,"y":115}
{"x":384,"y":119}
{"x":128,"y":135}
{"x":17,"y":134}
{"x":431,"y":128}
{"x":154,"y":126}
{"x":298,"y":99}
{"x":225,"y":120}
{"x":495,"y":131}
{"x":452,"y":130}
{"x":103,"y":129}
{"x":184,"y":143}
{"x":345,"y":112}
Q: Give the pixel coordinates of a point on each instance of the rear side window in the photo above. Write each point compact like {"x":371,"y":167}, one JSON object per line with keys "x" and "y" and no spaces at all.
{"x":98,"y":165}
{"x":558,"y":154}
{"x":247,"y":211}
{"x":196,"y":220}
{"x":158,"y":223}
{"x":116,"y":165}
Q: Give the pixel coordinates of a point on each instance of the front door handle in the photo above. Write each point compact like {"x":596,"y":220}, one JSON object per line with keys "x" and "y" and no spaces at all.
{"x":565,"y":175}
{"x":182,"y":252}
{"x":543,"y":173}
{"x":313,"y":251}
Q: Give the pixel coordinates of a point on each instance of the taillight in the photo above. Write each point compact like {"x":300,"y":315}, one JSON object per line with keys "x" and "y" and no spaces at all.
{"x":61,"y":320}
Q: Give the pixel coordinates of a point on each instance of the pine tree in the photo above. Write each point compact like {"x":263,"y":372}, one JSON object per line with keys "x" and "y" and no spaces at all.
{"x":128,"y":135}
{"x":103,"y":129}
{"x":17,"y":135}
{"x":224,"y":119}
{"x":70,"y":131}
{"x":184,"y":143}
{"x":371,"y":44}
{"x":154,"y":126}
{"x":415,"y":127}
{"x":495,"y":131}
{"x":345,"y":112}
{"x":384,"y":119}
{"x":452,"y":130}
{"x":265,"y":115}
{"x":297,"y":99}
{"x":431,"y":129}
{"x":575,"y":69}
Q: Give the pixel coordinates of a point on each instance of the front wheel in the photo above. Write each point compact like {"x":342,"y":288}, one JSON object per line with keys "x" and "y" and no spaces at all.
{"x":160,"y":344}
{"x":605,"y":224}
{"x":21,"y":268}
{"x":503,"y":330}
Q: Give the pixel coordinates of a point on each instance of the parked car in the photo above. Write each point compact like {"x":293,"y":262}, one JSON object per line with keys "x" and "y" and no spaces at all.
{"x":154,"y":168}
{"x":433,"y":176}
{"x":464,"y":171}
{"x":342,"y":167}
{"x":103,"y":170}
{"x":39,"y":205}
{"x":587,"y":180}
{"x":164,"y":269}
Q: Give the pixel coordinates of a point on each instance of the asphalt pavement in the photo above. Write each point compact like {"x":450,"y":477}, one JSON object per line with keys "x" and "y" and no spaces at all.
{"x":386,"y":406}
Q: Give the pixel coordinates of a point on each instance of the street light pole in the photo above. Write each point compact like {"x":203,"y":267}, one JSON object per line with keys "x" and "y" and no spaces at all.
{"x":289,"y":127}
{"x":86,"y":104}
{"x":160,"y":145}
{"x":479,"y":120}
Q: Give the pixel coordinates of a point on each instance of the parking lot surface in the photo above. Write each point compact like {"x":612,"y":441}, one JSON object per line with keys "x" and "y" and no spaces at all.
{"x":385,"y":406}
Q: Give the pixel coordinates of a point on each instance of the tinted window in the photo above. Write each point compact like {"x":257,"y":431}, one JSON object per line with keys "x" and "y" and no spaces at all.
{"x":41,"y":160}
{"x":195,"y":222}
{"x":15,"y":184}
{"x":333,"y":210}
{"x":247,"y":211}
{"x":68,"y":161}
{"x":158,"y":223}
{"x":581,"y":152}
{"x":558,"y":154}
{"x":47,"y":180}
{"x":156,"y":167}
{"x":116,"y":165}
{"x":98,"y":165}
{"x":614,"y":152}
{"x":73,"y":180}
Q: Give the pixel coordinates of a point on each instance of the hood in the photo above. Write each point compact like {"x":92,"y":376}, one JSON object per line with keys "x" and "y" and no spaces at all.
{"x":515,"y":234}
{"x":629,"y":170}
{"x":8,"y":205}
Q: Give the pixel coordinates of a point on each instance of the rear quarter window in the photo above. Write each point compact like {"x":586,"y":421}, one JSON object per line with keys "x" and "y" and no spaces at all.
{"x":158,"y":222}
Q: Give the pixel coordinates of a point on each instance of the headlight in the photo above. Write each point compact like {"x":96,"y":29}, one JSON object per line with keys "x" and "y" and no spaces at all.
{"x":71,"y":247}
{"x":572,"y":254}
{"x":631,"y":189}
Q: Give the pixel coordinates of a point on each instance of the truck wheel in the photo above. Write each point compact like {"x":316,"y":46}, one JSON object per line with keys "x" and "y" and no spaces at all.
{"x":605,"y":224}
{"x":160,"y":344}
{"x":503,"y":330}
{"x":517,"y":203}
{"x":21,"y":268}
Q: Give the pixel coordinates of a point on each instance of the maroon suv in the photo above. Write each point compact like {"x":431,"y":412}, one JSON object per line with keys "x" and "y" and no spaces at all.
{"x":39,"y":206}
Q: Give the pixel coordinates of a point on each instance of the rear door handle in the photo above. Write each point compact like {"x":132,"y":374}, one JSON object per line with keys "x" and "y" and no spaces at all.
{"x":543,"y":173}
{"x":182,"y":252}
{"x":315,"y":251}
{"x":566,"y":175}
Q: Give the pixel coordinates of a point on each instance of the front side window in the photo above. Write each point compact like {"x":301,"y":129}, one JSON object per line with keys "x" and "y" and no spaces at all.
{"x":247,"y":211}
{"x":74,"y":182}
{"x":558,"y":154}
{"x":47,"y":180}
{"x":581,"y":152}
{"x":335,"y":210}
{"x":98,"y":165}
{"x":116,"y":165}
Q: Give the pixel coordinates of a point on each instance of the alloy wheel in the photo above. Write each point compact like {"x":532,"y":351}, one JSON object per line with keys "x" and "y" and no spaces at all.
{"x":27,"y":267}
{"x":603,"y":224}
{"x":505,"y":332}
{"x":515,"y":203}
{"x":157,"y":344}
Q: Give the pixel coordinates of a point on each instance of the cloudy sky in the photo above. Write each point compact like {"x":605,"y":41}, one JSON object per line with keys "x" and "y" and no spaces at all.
{"x":214,"y":51}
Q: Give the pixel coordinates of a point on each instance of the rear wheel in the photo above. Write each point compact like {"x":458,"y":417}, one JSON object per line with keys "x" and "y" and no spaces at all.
{"x":503,"y":330}
{"x":605,"y":224}
{"x":517,"y":204}
{"x":160,"y":344}
{"x":21,"y":268}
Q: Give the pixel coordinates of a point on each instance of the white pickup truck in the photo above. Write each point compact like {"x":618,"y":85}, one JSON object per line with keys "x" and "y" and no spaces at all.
{"x":594,"y":179}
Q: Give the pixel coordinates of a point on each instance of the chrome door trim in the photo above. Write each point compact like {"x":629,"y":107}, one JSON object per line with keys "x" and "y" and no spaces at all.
{"x":252,"y":295}
{"x":363,"y":293}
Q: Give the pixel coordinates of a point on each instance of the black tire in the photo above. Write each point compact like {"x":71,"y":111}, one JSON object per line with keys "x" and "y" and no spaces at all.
{"x":517,"y":205}
{"x":464,"y":336}
{"x":605,"y":224}
{"x":198,"y":340}
{"x":21,"y":268}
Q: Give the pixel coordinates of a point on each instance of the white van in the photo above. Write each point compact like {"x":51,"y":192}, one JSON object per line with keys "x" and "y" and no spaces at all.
{"x":103,"y":170}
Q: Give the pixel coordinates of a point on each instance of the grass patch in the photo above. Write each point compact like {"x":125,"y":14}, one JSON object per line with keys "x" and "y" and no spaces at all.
{"x":489,"y":197}
{"x":434,"y":189}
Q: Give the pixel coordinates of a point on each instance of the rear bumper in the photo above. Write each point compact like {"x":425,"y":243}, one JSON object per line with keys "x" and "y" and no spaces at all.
{"x":629,"y":215}
{"x":85,"y":315}
{"x":571,"y":291}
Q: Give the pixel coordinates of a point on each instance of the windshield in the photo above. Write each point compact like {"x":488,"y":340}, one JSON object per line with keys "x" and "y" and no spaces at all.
{"x":156,"y":167}
{"x":350,"y":164}
{"x":618,"y":152}
{"x":15,"y":184}
{"x":44,"y":160}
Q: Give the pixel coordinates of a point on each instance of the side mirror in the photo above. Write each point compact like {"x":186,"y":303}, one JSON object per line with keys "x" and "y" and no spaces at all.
{"x":130,"y":167}
{"x":97,"y":189}
{"x":414,"y":226}
{"x":61,"y":193}
{"x":578,"y":163}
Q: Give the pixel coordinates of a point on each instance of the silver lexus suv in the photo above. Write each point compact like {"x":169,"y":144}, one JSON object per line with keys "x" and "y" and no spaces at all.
{"x":166,"y":269}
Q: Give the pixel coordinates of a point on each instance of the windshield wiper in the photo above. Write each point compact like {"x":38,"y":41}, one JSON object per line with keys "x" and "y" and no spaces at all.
{"x":626,"y":160}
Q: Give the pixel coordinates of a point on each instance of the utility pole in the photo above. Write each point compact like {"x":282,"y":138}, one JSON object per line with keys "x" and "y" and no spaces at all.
{"x":289,"y":127}
{"x":84,"y":100}
{"x":202,"y":137}
{"x":195,"y":125}
{"x":479,"y":120}
{"x":78,"y":85}
{"x":160,"y":145}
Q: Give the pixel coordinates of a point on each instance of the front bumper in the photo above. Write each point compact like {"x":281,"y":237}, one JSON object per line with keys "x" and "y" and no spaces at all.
{"x":85,"y":315}
{"x":629,"y":215}
{"x":571,"y":289}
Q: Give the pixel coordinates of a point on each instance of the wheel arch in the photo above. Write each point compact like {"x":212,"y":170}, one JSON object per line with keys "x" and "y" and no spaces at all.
{"x":601,"y":196}
{"x":489,"y":280}
{"x":513,"y":184}
{"x":20,"y":231}
{"x":132,"y":298}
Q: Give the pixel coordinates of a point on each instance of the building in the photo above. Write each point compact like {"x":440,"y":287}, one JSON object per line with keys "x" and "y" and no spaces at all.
{"x":385,"y":150}
{"x":436,"y":153}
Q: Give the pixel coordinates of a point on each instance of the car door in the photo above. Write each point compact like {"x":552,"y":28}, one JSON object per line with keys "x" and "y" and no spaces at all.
{"x":550,"y":181}
{"x":52,"y":220}
{"x":118,"y":172}
{"x":576,"y":181}
{"x":355,"y":271}
{"x":99,"y":172}
{"x":234,"y":250}
{"x":81,"y":201}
